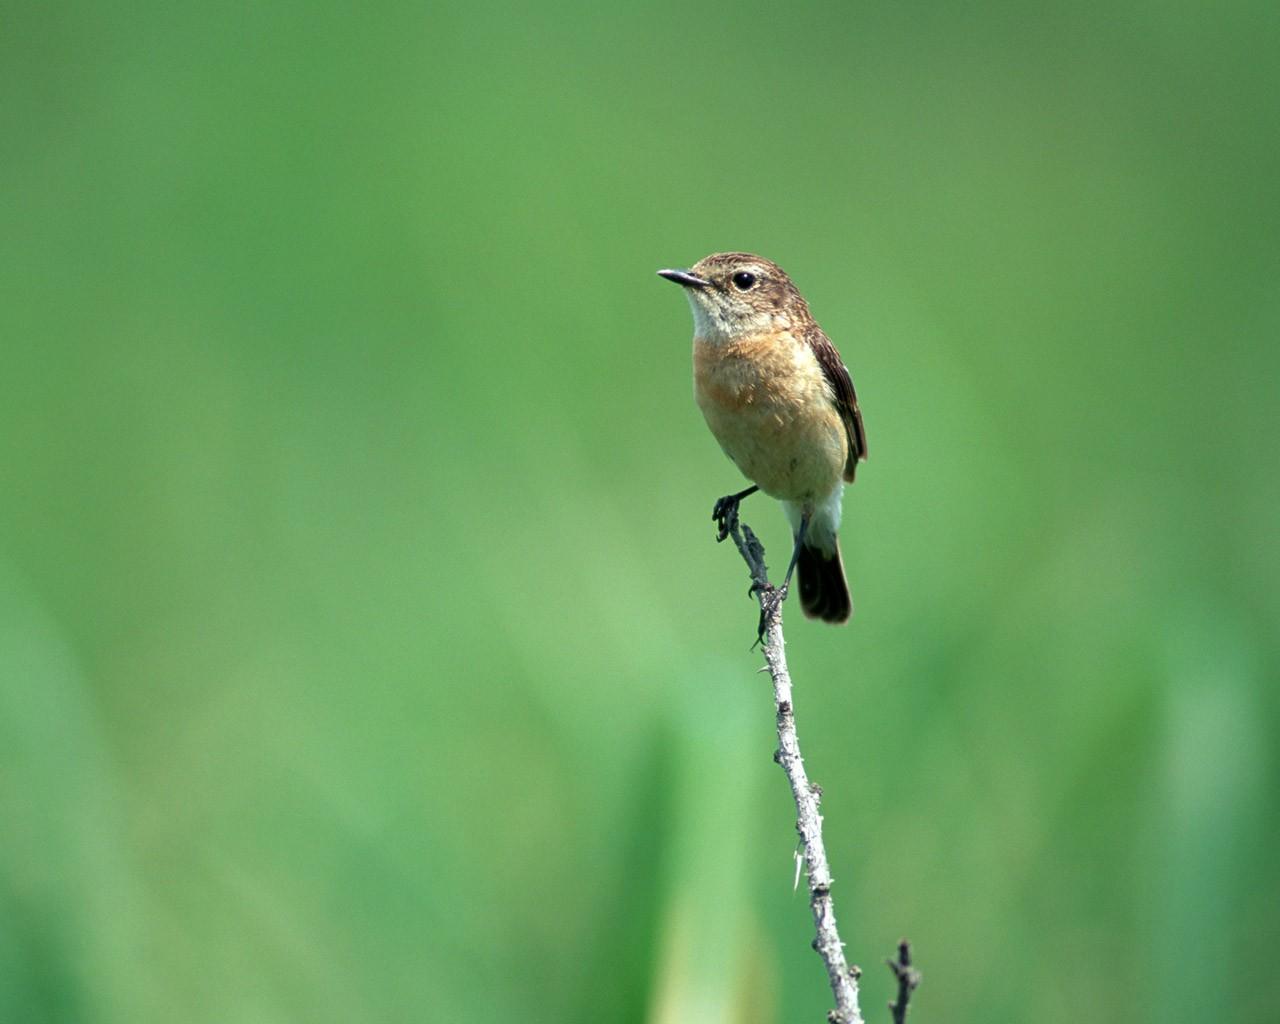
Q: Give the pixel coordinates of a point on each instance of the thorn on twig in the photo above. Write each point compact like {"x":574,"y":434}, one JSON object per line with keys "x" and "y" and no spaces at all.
{"x":908,"y":981}
{"x":755,"y":548}
{"x":855,"y":972}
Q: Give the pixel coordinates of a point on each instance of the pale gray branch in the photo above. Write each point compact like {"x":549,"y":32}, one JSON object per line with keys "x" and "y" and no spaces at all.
{"x":843,"y":979}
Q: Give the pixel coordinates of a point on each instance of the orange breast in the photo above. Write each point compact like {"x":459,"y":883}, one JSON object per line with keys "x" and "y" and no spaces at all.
{"x":768,"y":403}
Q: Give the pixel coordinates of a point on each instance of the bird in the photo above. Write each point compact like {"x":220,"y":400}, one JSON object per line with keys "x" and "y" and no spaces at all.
{"x":779,"y":400}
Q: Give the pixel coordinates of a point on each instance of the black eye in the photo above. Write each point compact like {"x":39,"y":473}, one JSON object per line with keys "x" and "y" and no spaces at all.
{"x":743,"y":280}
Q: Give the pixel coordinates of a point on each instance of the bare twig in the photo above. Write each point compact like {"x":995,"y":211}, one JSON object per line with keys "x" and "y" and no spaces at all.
{"x":908,"y":980}
{"x":843,"y":979}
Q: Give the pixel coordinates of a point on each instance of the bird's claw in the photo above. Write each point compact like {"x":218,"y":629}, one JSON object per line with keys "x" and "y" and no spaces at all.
{"x":771,"y":599}
{"x":725,"y":516}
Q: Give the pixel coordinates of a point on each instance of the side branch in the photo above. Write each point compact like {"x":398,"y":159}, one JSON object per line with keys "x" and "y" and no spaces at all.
{"x":908,"y":981}
{"x":843,"y":979}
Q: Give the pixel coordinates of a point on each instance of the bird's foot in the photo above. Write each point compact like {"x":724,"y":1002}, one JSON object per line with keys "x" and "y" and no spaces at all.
{"x":771,"y":599}
{"x":725,"y":515}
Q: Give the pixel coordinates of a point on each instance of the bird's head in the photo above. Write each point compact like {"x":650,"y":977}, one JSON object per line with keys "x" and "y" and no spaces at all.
{"x":736,"y":294}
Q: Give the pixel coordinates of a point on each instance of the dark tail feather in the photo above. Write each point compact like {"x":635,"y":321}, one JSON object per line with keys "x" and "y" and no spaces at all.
{"x":824,"y":594}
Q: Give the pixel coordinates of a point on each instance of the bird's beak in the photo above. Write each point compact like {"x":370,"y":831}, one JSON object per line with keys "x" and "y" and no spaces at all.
{"x":683,"y":277}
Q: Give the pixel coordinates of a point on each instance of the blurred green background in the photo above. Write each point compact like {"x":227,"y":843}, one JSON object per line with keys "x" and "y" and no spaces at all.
{"x":365,"y":654}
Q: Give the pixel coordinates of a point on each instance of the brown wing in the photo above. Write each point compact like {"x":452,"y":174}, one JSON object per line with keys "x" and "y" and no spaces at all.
{"x":837,"y":375}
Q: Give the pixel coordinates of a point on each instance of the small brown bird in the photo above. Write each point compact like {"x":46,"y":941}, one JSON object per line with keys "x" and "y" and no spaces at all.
{"x":779,"y":400}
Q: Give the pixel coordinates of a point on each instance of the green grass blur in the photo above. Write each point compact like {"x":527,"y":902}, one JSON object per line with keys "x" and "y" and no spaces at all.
{"x":365,"y":654}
